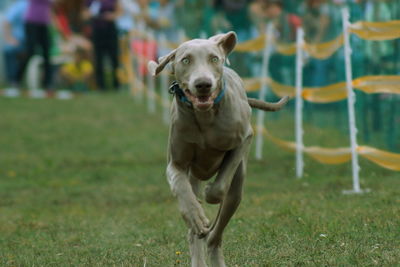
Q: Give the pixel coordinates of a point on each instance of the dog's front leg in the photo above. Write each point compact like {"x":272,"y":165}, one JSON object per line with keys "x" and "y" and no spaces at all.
{"x":189,"y":206}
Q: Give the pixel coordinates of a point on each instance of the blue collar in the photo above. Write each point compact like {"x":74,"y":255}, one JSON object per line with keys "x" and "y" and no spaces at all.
{"x":174,"y":89}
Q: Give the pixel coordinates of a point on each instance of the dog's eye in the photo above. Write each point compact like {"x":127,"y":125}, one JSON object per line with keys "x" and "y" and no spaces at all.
{"x":185,"y":61}
{"x":214,"y":59}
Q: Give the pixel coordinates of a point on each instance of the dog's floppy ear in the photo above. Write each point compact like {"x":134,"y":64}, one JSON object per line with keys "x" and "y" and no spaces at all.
{"x":226,"y":41}
{"x":155,"y":68}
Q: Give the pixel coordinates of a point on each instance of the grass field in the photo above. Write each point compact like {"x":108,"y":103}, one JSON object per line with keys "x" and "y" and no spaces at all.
{"x":82,"y":184}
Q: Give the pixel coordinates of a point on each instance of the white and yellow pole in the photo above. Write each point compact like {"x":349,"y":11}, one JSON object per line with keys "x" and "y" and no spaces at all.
{"x":151,"y":104}
{"x":299,"y":103}
{"x":164,"y":83}
{"x":350,"y":104}
{"x":139,"y":81}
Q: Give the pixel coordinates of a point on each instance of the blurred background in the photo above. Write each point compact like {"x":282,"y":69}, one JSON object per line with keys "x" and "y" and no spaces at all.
{"x":81,"y":46}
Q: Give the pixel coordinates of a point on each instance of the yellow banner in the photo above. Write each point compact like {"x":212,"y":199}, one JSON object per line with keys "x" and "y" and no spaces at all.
{"x":253,"y":84}
{"x":387,"y":160}
{"x":286,"y":49}
{"x":324,"y":50}
{"x":335,"y":92}
{"x":331,"y":93}
{"x":320,"y":51}
{"x":367,"y":84}
{"x":329,"y":155}
{"x":282,"y":90}
{"x":377,"y":31}
{"x":253,"y":45}
{"x":323,"y":155}
{"x":389,"y":84}
{"x":367,"y":30}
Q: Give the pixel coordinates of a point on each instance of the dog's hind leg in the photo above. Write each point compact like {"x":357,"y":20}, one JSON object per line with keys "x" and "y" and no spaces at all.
{"x":215,"y":192}
{"x":228,"y":207}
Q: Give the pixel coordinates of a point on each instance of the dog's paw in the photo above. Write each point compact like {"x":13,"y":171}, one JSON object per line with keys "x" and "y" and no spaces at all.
{"x":195,"y":217}
{"x":213,"y":193}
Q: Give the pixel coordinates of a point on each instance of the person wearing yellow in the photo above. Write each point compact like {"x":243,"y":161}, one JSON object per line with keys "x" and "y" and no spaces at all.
{"x":77,"y":73}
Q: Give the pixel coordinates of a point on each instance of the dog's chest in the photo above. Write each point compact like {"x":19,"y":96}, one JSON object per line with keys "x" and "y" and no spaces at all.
{"x":222,"y":137}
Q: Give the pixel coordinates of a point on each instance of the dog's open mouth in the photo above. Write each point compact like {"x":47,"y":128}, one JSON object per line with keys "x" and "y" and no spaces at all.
{"x":201,"y":102}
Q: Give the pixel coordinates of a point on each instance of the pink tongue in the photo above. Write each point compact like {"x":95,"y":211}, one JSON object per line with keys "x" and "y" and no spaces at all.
{"x":203,"y":98}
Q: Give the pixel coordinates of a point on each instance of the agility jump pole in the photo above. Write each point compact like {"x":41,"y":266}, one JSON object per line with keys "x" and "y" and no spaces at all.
{"x":139,"y":81}
{"x":299,"y":103}
{"x":150,"y":92}
{"x":162,"y":41}
{"x":131,"y":63}
{"x":263,"y":91}
{"x":350,"y":105}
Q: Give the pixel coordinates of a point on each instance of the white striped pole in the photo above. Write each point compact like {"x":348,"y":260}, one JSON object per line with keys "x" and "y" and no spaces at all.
{"x":140,"y":62}
{"x":164,"y":83}
{"x":263,"y":91}
{"x":350,"y":104}
{"x":299,"y":103}
{"x":151,"y":104}
{"x":131,"y":64}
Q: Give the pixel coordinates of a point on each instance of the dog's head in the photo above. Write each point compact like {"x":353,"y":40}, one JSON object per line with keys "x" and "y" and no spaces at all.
{"x":198,"y":67}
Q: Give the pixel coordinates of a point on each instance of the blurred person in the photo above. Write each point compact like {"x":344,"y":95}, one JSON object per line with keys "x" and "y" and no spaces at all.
{"x":316,"y":21}
{"x":68,"y":29}
{"x":102,"y":15}
{"x":141,"y":45}
{"x":165,"y":24}
{"x":126,"y":23}
{"x":129,"y":16}
{"x":37,"y":35}
{"x":285,"y":24}
{"x":144,"y":17}
{"x":189,"y":14}
{"x":77,"y":73}
{"x":214,"y":21}
{"x":236,"y":14}
{"x":14,"y":36}
{"x":258,"y":16}
{"x":166,"y":17}
{"x":71,"y":11}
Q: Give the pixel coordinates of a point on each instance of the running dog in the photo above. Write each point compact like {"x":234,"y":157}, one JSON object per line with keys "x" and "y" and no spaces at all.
{"x":210,"y":136}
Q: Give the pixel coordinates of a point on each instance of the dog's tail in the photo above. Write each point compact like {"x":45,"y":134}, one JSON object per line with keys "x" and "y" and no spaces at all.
{"x":266,"y":106}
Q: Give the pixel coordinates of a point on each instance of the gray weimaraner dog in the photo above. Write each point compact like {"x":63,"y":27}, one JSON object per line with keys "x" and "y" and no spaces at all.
{"x":210,"y":135}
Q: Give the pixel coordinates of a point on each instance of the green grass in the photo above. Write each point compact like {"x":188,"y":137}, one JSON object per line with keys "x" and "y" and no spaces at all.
{"x":82,"y":184}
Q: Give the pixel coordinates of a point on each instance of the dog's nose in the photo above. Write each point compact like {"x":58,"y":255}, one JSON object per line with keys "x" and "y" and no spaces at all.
{"x":203,"y":85}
